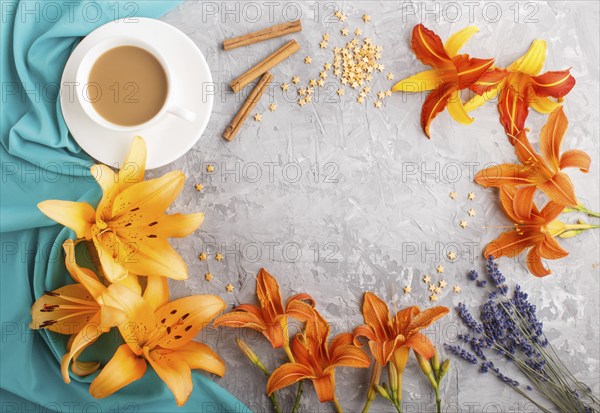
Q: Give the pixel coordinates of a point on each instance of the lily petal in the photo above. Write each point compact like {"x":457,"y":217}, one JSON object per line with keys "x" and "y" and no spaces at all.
{"x":325,"y":387}
{"x":349,"y":356}
{"x":490,"y":82}
{"x":534,"y":263}
{"x":523,"y":202}
{"x":239,"y":319}
{"x":174,"y":371}
{"x":552,"y":210}
{"x":551,"y":249}
{"x":177,"y":225}
{"x":478,"y":100}
{"x":423,"y":81}
{"x":435,"y":102}
{"x":377,"y":315}
{"x":544,"y":104}
{"x":428,"y":47}
{"x":457,"y":110}
{"x":512,"y":243}
{"x":552,"y":135}
{"x":286,"y":375}
{"x":133,"y":169}
{"x":559,"y":189}
{"x":200,"y":356}
{"x":184,"y":318}
{"x":157,"y":291}
{"x":575,"y":158}
{"x":88,"y":335}
{"x":504,"y":174}
{"x":459,"y":39}
{"x":420,"y":344}
{"x":124,"y":368}
{"x":513,"y":108}
{"x":470,"y":69}
{"x":556,"y":84}
{"x":426,"y":318}
{"x":79,"y":216}
{"x":267,"y":290}
{"x":532,"y":62}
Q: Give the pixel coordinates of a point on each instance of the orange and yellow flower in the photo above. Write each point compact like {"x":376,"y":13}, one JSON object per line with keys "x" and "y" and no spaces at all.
{"x":160,"y":333}
{"x":316,"y":358}
{"x":537,"y":233}
{"x":520,"y":86}
{"x":451,"y":73}
{"x":539,"y":171}
{"x":391,"y":338}
{"x":271,"y":317}
{"x":129,"y":228}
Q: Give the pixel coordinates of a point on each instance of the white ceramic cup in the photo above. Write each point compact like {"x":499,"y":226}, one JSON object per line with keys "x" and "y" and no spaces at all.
{"x":82,"y":82}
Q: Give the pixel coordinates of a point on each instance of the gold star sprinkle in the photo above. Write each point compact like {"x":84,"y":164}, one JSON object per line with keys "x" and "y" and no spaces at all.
{"x":302,"y":92}
{"x":308,"y":99}
{"x":345,"y":31}
{"x":427,"y":278}
{"x":456,"y":289}
{"x":258,"y":117}
{"x":208,"y":276}
{"x":340,"y":92}
{"x":463,"y":224}
{"x":388,"y":92}
{"x":471,"y":196}
{"x":357,"y":32}
{"x":433,"y":297}
{"x":312,"y":82}
{"x":229,"y":288}
{"x":390,"y":76}
{"x":443,"y":284}
{"x":360,"y":99}
{"x":439,"y":269}
{"x":210,"y":168}
{"x":202,"y":256}
{"x":302,"y":102}
{"x":321,"y":82}
{"x":437,"y":290}
{"x":407,"y":289}
{"x":219,"y":256}
{"x":338,"y":14}
{"x":432,"y":287}
{"x":308,"y":60}
{"x":323,"y":75}
{"x":296,"y":80}
{"x":366,"y":18}
{"x":451,"y":255}
{"x":327,"y":66}
{"x":380,"y":95}
{"x":273,"y":107}
{"x":377,"y":104}
{"x":471,"y":212}
{"x":343,"y":18}
{"x":199,"y":187}
{"x":326,"y":37}
{"x":323,"y":44}
{"x":285,"y":86}
{"x":453,"y":195}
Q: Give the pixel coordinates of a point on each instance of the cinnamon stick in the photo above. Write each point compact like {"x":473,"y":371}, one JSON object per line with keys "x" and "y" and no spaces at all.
{"x":264,"y":34}
{"x":249,"y":104}
{"x":269,"y":62}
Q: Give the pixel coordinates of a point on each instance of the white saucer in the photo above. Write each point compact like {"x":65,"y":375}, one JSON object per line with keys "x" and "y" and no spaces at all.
{"x":171,"y":137}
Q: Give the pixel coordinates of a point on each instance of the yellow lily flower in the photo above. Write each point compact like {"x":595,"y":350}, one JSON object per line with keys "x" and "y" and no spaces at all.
{"x":129,"y":228}
{"x":160,"y":334}
{"x":76,"y":309}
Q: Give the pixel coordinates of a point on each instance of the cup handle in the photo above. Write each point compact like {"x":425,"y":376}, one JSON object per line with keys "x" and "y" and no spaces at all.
{"x":182,"y":113}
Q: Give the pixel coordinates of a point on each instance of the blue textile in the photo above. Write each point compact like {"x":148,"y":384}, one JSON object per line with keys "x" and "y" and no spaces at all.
{"x":40,"y":161}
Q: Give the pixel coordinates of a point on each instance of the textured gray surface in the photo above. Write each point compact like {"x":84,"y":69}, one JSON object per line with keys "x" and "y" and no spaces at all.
{"x":371,"y":219}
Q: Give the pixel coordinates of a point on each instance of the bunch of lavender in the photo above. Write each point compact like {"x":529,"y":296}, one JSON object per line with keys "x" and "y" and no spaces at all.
{"x":508,"y":326}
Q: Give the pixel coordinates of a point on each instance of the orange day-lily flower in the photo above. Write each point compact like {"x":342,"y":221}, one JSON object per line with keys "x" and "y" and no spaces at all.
{"x":78,"y":310}
{"x":316,"y":358}
{"x":451,"y":73}
{"x":270,"y":318}
{"x":537,"y":171}
{"x":520,"y":86}
{"x":390,"y":339}
{"x":129,"y":228}
{"x":536,"y":232}
{"x":160,"y":333}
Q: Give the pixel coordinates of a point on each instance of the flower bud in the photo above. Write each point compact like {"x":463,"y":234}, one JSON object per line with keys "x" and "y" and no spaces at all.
{"x":426,"y":368}
{"x":435,"y":363}
{"x":251,"y":355}
{"x":445,"y":367}
{"x":383,"y":392}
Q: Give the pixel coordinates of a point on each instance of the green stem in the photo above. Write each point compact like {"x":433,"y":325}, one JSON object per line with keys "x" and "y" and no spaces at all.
{"x":298,"y":397}
{"x":275,"y":403}
{"x":581,"y":208}
{"x":337,"y":405}
{"x":367,"y":406}
{"x":438,"y":400}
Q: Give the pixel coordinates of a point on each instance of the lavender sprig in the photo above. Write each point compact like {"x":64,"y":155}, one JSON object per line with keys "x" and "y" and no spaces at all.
{"x":509,"y":327}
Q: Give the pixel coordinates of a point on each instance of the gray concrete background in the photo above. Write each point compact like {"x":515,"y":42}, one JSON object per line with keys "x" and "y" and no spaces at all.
{"x":370,"y":209}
